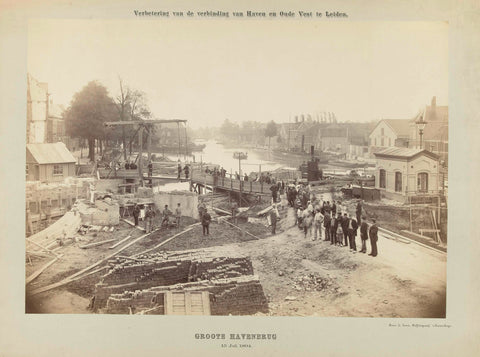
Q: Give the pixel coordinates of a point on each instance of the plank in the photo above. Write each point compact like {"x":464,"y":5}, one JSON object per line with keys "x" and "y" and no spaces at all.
{"x":168,"y":240}
{"x":71,"y":277}
{"x":136,"y":259}
{"x":118,"y":243}
{"x":133,"y":225}
{"x":35,"y":274}
{"x":96,"y":243}
{"x":41,"y":246}
{"x":250,"y":234}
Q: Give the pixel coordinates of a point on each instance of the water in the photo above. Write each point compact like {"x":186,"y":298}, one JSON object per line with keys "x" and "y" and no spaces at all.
{"x":215,"y":153}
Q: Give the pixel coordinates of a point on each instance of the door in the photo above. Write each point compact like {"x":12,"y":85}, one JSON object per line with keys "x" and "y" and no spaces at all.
{"x":187,"y":303}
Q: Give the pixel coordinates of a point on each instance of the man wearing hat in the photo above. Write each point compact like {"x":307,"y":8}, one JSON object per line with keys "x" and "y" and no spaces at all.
{"x":273,"y":217}
{"x":373,"y":233}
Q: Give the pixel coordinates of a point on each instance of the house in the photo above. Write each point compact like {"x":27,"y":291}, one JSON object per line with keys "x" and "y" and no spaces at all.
{"x":404,"y":172}
{"x":390,"y":133}
{"x":50,"y":162}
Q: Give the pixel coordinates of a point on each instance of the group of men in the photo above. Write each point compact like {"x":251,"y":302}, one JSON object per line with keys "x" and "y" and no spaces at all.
{"x":150,"y":215}
{"x":185,"y":169}
{"x":340,"y":230}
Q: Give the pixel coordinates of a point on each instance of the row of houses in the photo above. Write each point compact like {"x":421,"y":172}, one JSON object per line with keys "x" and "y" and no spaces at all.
{"x":354,"y":140}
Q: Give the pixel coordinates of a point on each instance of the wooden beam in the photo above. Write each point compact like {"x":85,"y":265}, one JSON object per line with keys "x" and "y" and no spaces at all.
{"x":96,"y":243}
{"x":39,"y":271}
{"x":118,"y":243}
{"x":41,"y":246}
{"x":250,"y":234}
{"x":136,"y":259}
{"x":71,"y":277}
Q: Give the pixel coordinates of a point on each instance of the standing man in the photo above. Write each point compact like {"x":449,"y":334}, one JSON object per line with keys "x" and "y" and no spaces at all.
{"x":307,"y":223}
{"x":352,"y":233}
{"x":187,"y":171}
{"x":179,"y":170}
{"x":317,"y":225}
{"x":150,"y":169}
{"x":178,"y":214}
{"x":344,"y":224}
{"x":166,"y":214}
{"x":334,"y":210}
{"x":327,"y":222}
{"x":373,"y":238}
{"x":206,"y":218}
{"x":359,"y":211}
{"x":334,"y":228}
{"x":149,"y":215}
{"x":274,"y":189}
{"x":136,"y":213}
{"x":274,"y":215}
{"x":364,"y":234}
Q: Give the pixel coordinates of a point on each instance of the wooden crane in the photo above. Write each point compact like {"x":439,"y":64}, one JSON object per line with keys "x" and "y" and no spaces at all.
{"x":148,"y":125}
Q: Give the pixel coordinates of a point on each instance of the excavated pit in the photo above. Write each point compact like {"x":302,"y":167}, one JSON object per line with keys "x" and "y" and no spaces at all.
{"x":179,"y":283}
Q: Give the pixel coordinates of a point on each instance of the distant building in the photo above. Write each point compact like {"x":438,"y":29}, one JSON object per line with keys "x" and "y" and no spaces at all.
{"x":334,"y":138}
{"x":390,"y":133}
{"x":435,"y":135}
{"x":37,"y":110}
{"x":404,"y":172}
{"x":49,"y":162}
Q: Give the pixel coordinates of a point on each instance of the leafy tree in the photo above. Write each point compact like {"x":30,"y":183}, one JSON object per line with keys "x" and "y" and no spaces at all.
{"x":88,"y":110}
{"x":270,"y":131}
{"x":230,"y":130}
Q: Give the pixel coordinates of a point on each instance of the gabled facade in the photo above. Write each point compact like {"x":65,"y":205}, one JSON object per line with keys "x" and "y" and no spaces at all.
{"x":403,"y":172}
{"x":389,"y":133}
{"x":49,"y":162}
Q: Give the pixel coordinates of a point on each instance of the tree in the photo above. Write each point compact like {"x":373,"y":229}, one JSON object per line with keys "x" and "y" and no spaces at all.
{"x":88,"y":110}
{"x":230,"y":130}
{"x":270,"y":131}
{"x":131,"y":105}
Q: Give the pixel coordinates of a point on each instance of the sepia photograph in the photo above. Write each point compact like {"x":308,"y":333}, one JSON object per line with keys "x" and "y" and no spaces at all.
{"x":237,"y":167}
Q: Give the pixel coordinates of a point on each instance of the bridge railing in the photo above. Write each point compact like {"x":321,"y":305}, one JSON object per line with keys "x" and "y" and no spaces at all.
{"x":230,"y":184}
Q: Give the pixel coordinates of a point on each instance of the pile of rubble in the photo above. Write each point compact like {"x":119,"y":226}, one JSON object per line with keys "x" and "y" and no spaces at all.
{"x":312,"y":282}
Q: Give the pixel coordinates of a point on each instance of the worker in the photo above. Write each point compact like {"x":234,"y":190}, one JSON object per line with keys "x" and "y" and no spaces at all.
{"x":178,"y":214}
{"x":358,"y":211}
{"x":149,"y":215}
{"x":373,"y":233}
{"x":136,"y":213}
{"x":317,"y":225}
{"x":206,"y":218}
{"x":327,"y":223}
{"x":274,"y":216}
{"x":352,"y":232}
{"x":166,"y":214}
{"x":179,"y":170}
{"x":150,"y":169}
{"x":187,"y":171}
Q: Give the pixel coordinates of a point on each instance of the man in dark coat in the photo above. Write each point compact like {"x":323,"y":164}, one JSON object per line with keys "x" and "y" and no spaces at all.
{"x":136,"y":213}
{"x":334,"y":209}
{"x":358,"y":211}
{"x":179,"y":170}
{"x":206,"y":219}
{"x":373,"y":233}
{"x":364,"y":234}
{"x":274,"y":189}
{"x":187,"y":171}
{"x":344,"y":223}
{"x":327,"y":223}
{"x":352,"y":232}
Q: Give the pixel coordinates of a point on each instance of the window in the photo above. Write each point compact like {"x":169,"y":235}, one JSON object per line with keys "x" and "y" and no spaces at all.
{"x":389,"y":142}
{"x":375,"y":141}
{"x":398,"y":182}
{"x":383,"y":178}
{"x":57,"y":169}
{"x":383,"y":142}
{"x":383,"y":131}
{"x":422,"y":182}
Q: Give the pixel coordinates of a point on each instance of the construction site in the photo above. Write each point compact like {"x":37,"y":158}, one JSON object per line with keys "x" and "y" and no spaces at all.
{"x":86,"y":255}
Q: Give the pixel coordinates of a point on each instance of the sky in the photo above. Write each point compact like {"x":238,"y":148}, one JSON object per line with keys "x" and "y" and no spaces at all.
{"x":206,"y":71}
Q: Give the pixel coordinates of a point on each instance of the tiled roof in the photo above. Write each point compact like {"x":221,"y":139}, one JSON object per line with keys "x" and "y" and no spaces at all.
{"x":400,"y":126}
{"x":56,"y":153}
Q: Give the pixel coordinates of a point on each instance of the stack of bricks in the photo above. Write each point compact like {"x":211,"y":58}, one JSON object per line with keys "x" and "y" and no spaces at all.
{"x":230,"y":280}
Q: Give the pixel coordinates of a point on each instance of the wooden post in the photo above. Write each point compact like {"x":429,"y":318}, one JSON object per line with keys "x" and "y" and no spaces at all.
{"x":410,"y":205}
{"x":149,"y":143}
{"x":140,"y":154}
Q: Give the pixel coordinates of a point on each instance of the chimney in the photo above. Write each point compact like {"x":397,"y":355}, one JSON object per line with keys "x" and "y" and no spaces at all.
{"x":434,"y":102}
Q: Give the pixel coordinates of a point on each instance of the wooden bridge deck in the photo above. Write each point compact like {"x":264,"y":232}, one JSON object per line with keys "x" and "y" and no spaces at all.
{"x":227,"y":184}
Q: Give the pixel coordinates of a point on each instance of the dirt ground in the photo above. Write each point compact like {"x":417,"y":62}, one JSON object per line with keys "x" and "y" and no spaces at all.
{"x":300,"y":277}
